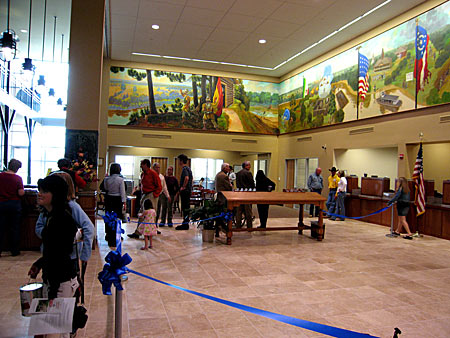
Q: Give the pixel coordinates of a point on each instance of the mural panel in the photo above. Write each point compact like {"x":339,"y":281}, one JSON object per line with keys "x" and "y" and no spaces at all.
{"x":405,"y":68}
{"x":146,"y":98}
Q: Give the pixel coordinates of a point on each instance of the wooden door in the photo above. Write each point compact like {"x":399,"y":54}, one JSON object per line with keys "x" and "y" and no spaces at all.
{"x":290,"y":176}
{"x":162,"y":163}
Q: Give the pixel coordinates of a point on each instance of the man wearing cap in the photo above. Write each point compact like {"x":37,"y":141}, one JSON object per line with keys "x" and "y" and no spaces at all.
{"x":333,"y":181}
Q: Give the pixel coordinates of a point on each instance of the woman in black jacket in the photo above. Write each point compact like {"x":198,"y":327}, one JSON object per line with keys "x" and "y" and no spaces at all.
{"x":58,"y":270}
{"x":263,"y":183}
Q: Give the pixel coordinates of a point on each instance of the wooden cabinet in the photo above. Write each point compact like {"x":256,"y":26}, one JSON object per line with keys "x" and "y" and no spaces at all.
{"x":88,"y":202}
{"x":352,"y":183}
{"x":30,"y":213}
{"x":446,"y":192}
{"x":374,"y":186}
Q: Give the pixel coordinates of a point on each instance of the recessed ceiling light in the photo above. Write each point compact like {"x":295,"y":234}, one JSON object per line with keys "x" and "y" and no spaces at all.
{"x":262,"y":41}
{"x":24,"y":31}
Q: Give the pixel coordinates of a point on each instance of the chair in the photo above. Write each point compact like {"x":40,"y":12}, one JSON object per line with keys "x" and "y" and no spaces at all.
{"x":196,"y":199}
{"x":101,"y":202}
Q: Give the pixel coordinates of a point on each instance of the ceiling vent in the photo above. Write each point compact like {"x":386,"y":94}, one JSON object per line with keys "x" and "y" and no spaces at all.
{"x":303,"y":139}
{"x":238,"y":140}
{"x":444,"y":119}
{"x":156,"y":136}
{"x":361,"y":131}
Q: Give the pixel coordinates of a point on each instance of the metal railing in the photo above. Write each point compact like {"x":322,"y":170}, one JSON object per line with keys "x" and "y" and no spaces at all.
{"x":18,"y":89}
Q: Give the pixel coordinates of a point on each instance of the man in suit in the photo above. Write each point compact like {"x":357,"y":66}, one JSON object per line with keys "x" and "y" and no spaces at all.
{"x":244,"y":180}
{"x":222,"y":183}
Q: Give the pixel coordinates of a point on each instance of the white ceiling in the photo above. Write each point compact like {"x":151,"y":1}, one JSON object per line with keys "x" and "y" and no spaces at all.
{"x":215,"y":30}
{"x":229,"y":30}
{"x":19,"y":20}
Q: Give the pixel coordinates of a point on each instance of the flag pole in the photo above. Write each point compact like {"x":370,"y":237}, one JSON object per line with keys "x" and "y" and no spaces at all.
{"x":357,"y":87}
{"x":415,"y":65}
{"x":417,"y":234}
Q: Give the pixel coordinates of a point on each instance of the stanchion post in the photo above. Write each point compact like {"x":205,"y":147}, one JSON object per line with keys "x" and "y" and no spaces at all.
{"x":391,"y":234}
{"x":118,"y":315}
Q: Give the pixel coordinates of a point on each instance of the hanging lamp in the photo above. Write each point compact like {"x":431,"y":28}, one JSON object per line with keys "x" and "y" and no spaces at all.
{"x":27,"y":66}
{"x":8,"y":44}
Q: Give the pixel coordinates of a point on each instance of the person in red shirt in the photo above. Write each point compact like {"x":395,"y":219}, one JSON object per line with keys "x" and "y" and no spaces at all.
{"x":10,"y":205}
{"x":64,"y":165}
{"x":150,"y":188}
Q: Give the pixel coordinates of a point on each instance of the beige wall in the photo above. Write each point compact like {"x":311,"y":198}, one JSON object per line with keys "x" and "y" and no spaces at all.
{"x":399,"y":131}
{"x":381,"y":162}
{"x":436,"y":162}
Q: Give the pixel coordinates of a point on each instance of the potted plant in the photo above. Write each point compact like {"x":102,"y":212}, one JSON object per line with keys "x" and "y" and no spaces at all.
{"x":204,"y":215}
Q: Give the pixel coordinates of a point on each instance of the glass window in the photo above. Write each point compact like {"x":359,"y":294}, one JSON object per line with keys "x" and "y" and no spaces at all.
{"x":206,"y":168}
{"x":127,"y":165}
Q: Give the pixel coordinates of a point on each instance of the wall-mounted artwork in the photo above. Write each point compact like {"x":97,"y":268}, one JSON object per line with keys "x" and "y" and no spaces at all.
{"x":147,"y":98}
{"x":404,"y":68}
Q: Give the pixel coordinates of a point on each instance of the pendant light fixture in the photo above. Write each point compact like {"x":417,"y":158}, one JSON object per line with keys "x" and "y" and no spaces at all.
{"x":41,"y":81}
{"x":28,"y":66}
{"x":7,"y":41}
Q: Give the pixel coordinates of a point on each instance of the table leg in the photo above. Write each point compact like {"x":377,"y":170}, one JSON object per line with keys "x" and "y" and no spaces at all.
{"x":320,"y":223}
{"x":300,"y":220}
{"x":230,"y":227}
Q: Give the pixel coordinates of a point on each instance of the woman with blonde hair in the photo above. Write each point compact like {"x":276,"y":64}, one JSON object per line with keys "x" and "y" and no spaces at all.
{"x":402,"y":199}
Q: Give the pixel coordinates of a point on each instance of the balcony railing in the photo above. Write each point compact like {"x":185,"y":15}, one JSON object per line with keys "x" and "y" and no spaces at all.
{"x":18,"y":89}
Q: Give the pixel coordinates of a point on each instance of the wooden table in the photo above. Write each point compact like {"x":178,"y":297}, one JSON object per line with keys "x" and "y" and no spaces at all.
{"x":234,"y":199}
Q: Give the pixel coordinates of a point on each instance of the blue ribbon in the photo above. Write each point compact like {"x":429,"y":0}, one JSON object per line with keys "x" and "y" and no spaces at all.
{"x":112,"y":270}
{"x":305,"y":324}
{"x":358,"y":217}
{"x":225,"y":215}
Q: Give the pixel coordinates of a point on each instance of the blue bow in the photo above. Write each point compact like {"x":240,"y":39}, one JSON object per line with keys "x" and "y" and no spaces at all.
{"x":111,"y":220}
{"x":227,"y":216}
{"x":112,"y":270}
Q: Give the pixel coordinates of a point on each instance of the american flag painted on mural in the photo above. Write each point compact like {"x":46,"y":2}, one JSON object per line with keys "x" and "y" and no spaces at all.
{"x":421,"y":72}
{"x":363,"y":81}
{"x":418,"y":180}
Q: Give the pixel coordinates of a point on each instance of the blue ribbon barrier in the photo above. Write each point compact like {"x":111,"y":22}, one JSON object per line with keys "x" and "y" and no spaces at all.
{"x":305,"y":324}
{"x":358,"y":217}
{"x":112,"y":270}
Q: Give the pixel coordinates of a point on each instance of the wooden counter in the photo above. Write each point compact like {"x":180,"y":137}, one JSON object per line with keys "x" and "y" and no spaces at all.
{"x":434,"y":222}
{"x":234,"y":199}
{"x":30,"y":214}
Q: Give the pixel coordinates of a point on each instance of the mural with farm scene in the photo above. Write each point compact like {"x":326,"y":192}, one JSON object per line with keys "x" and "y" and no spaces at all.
{"x":404,"y":68}
{"x":322,"y":95}
{"x":147,"y":98}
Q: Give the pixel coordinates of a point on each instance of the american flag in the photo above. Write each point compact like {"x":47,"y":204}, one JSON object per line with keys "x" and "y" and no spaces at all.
{"x":418,"y":180}
{"x":363,"y":81}
{"x":421,"y":72}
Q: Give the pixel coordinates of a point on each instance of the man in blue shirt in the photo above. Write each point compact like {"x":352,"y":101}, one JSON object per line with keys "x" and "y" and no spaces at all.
{"x":315,"y":184}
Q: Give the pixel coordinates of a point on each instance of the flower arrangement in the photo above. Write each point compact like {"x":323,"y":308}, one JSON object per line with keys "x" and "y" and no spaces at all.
{"x":85,"y":170}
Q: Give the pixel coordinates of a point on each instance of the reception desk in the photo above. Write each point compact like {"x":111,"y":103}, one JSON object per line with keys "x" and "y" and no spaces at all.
{"x":30,"y":214}
{"x":434,"y":222}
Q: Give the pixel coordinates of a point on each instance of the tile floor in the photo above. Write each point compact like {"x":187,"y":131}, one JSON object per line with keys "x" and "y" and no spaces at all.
{"x":356,"y":279}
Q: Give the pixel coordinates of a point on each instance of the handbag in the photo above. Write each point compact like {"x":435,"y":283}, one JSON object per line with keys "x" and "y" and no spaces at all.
{"x":80,"y":316}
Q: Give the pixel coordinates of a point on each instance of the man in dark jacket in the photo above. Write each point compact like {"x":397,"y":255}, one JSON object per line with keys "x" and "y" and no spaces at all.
{"x":222,"y":183}
{"x":244,"y":180}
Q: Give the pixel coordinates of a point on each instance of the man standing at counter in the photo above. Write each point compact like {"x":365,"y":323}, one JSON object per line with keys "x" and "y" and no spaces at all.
{"x":10,"y":205}
{"x":244,"y":180}
{"x":315,"y":184}
{"x":333,"y":181}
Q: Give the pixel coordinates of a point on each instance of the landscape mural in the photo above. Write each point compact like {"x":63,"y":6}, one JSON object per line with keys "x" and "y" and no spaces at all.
{"x":404,"y":68}
{"x":148,"y":98}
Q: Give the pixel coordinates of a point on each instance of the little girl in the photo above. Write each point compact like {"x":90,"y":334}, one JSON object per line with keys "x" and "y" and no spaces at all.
{"x":146,"y":229}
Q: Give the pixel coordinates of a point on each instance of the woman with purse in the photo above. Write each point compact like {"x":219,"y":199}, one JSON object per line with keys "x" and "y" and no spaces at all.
{"x":58,"y":272}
